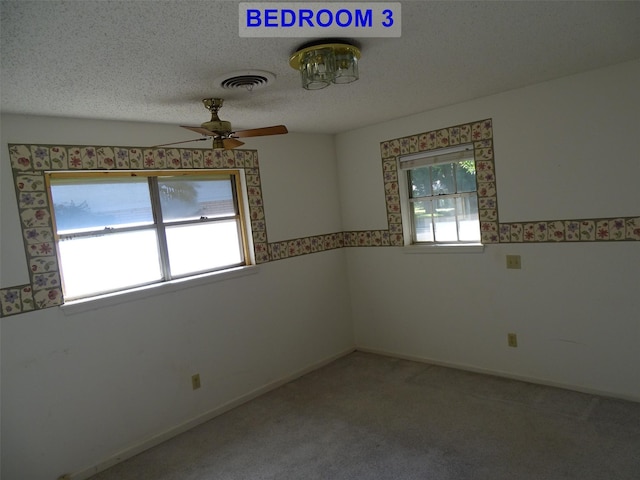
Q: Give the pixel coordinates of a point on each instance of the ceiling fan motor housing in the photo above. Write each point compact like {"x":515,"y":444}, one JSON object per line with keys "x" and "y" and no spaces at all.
{"x":215,"y":124}
{"x":218,"y":126}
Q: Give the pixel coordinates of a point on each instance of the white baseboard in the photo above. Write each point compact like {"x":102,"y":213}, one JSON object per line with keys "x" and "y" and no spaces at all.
{"x":172,"y":432}
{"x":498,"y":373}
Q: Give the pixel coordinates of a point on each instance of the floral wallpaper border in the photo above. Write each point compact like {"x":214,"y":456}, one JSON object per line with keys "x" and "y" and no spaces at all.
{"x":29,"y":162}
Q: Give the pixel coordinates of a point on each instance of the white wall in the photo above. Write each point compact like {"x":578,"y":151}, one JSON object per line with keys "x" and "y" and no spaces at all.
{"x":300,"y":192}
{"x":77,"y":389}
{"x":565,"y":149}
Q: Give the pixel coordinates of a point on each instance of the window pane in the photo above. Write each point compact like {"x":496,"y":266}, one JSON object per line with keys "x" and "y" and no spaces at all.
{"x":445,"y":220}
{"x":184,"y":198}
{"x":419,"y":182}
{"x":82,"y":204}
{"x":422,"y":221}
{"x":93,"y":265}
{"x":200,"y":247}
{"x":466,"y":176}
{"x":468,"y":221}
{"x":442,"y":179}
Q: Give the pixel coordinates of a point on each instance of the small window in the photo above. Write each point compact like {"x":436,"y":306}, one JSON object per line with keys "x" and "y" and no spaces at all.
{"x":116,"y":231}
{"x":441,"y":199}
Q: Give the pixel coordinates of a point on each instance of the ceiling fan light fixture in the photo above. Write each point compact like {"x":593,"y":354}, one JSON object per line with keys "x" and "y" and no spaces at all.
{"x":321,"y":64}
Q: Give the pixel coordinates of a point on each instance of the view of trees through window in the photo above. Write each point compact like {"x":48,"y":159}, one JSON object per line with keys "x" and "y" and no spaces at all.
{"x":444,"y":204}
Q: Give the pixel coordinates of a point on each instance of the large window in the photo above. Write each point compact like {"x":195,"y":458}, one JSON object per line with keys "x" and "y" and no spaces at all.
{"x":441,"y":197}
{"x":116,"y":231}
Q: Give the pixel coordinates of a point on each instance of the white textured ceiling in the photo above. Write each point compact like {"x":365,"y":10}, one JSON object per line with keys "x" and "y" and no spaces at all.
{"x":155,"y":60}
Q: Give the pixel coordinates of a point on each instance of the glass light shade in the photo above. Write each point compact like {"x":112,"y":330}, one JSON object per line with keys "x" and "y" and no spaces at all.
{"x":346,"y":67}
{"x":317,"y":68}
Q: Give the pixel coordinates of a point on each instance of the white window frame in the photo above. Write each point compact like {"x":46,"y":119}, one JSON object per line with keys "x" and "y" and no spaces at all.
{"x":421,"y":159}
{"x":236,"y":177}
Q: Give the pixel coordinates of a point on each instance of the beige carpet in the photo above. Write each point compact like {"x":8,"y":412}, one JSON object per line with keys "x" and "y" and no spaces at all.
{"x":372,"y":417}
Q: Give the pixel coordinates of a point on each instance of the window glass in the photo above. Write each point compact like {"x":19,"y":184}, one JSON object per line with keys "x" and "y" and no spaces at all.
{"x":109,"y":262}
{"x":206,"y":246}
{"x":82,"y":204}
{"x":184,"y":198}
{"x":444,"y":219}
{"x":423,"y":220}
{"x":442,"y":179}
{"x":468,"y":219}
{"x":420,"y":182}
{"x":466,"y":176}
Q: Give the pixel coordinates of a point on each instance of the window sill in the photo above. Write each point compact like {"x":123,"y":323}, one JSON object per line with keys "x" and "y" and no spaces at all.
{"x":95,"y":303}
{"x":444,"y":248}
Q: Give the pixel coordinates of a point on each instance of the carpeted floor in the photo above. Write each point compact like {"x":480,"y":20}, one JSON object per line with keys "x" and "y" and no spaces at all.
{"x":372,"y":417}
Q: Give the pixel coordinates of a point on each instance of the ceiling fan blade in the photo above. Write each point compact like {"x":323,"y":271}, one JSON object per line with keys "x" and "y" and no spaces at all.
{"x":201,"y":131}
{"x":230,"y":143}
{"x":260,"y":132}
{"x":184,"y":141}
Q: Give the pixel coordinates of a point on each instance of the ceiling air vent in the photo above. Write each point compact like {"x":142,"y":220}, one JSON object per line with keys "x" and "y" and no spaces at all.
{"x":247,"y":80}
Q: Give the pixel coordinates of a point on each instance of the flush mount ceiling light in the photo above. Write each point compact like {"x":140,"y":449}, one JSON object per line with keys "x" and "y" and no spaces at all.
{"x":321,"y":64}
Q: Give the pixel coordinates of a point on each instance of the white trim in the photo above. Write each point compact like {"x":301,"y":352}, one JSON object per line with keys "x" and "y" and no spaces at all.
{"x":86,"y":304}
{"x":444,"y":248}
{"x":244,"y":205}
{"x":500,"y":373}
{"x":150,"y":442}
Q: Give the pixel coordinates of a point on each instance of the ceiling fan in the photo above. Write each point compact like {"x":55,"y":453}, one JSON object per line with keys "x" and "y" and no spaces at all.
{"x":221,"y":131}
